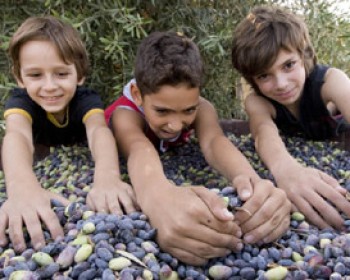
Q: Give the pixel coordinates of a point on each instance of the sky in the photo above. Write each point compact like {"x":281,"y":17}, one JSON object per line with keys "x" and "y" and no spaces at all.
{"x":342,"y":5}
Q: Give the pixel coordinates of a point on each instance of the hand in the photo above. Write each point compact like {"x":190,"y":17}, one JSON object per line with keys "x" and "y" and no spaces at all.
{"x":265,"y":215}
{"x":192,"y":223}
{"x":29,"y":209}
{"x":113,"y":196}
{"x":309,"y":189}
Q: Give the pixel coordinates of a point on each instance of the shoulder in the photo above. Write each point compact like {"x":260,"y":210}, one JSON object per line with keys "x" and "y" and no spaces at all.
{"x":256,"y":104}
{"x":334,"y":73}
{"x":20,"y":100}
{"x":19,"y":93}
{"x":205,"y":102}
{"x":336,"y":83}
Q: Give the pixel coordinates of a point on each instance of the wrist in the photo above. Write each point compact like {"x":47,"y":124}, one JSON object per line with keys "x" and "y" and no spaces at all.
{"x":284,"y":167}
{"x":151,"y":195}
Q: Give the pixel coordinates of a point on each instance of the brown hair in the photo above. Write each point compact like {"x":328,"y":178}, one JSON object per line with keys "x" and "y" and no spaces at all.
{"x":167,"y":58}
{"x":262,"y":34}
{"x":65,"y":38}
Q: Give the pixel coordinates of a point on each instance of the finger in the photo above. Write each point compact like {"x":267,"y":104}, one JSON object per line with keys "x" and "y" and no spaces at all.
{"x":133,"y":198}
{"x":16,"y":233}
{"x":90,"y":203}
{"x":203,"y":247}
{"x":99,"y":202}
{"x":3,"y":227}
{"x":213,"y":238}
{"x":294,"y":208}
{"x":187,"y":257}
{"x":329,"y":179}
{"x":252,"y":205}
{"x":255,"y":232}
{"x":244,"y":187}
{"x":338,"y":200}
{"x":274,"y":206}
{"x":214,"y":203}
{"x":125,"y":201}
{"x":269,"y":231}
{"x":52,"y":223}
{"x":278,"y":231}
{"x":311,"y":215}
{"x":35,"y":231}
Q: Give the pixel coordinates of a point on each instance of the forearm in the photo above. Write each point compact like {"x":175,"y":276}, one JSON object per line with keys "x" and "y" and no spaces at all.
{"x":227,"y":159}
{"x":17,"y":160}
{"x":104,"y":152}
{"x":272,"y":150}
{"x":146,"y":172}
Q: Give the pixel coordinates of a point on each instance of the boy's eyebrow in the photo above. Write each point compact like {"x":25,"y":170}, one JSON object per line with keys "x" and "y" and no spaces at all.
{"x":170,"y":109}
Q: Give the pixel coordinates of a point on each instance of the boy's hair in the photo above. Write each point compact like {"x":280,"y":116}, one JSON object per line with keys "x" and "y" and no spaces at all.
{"x":167,"y":58}
{"x":262,"y":34}
{"x":65,"y":38}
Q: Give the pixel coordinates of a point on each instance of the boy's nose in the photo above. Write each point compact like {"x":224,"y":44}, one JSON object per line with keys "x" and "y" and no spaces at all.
{"x":175,"y":125}
{"x":49,"y":83}
{"x":281,"y":81}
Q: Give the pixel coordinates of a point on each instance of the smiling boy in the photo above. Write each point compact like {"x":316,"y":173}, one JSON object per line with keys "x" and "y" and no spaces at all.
{"x":295,"y":96}
{"x":156,"y":112}
{"x":51,"y":107}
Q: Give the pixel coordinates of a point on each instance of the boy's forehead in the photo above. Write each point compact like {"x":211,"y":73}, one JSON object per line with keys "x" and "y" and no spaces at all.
{"x":281,"y":58}
{"x":169,"y":96}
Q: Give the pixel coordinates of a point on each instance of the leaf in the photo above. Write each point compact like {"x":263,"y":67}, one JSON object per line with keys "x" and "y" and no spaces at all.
{"x":131,"y":257}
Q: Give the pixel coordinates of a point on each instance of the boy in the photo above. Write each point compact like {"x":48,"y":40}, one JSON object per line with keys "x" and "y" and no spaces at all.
{"x":293,"y":94}
{"x":157,"y":110}
{"x":51,"y":107}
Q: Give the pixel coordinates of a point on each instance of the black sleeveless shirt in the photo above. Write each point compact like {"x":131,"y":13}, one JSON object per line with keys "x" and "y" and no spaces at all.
{"x":315,"y":121}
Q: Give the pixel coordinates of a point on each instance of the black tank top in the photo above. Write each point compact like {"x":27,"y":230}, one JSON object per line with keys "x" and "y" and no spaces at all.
{"x":315,"y":122}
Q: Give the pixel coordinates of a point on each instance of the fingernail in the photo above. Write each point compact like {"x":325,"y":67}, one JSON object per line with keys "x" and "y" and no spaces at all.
{"x":238,"y":233}
{"x":37,"y":246}
{"x":239,"y":246}
{"x":249,"y":238}
{"x":19,"y":248}
{"x":227,"y":213}
{"x":266,"y":240}
{"x":245,"y":194}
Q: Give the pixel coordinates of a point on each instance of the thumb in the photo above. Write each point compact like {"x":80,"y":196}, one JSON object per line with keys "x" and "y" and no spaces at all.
{"x":215,"y":203}
{"x":243,"y":186}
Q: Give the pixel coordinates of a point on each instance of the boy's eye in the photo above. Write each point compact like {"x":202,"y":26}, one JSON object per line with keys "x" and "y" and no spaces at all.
{"x":190,"y":110}
{"x":33,"y":75}
{"x":262,"y":77}
{"x":62,"y":74}
{"x":289,"y":64}
{"x":162,"y":111}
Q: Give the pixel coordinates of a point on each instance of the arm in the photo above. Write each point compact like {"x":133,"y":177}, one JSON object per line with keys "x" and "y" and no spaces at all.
{"x":27,"y":204}
{"x":336,"y":89}
{"x":305,"y":187}
{"x":186,"y":227}
{"x":109,"y":192}
{"x":269,"y":206}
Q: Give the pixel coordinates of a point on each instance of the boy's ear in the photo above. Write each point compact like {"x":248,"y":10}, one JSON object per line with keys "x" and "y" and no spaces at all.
{"x":81,"y":81}
{"x":136,"y":94}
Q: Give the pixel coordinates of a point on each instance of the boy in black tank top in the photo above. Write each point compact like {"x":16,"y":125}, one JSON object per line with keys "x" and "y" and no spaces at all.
{"x":292,"y":94}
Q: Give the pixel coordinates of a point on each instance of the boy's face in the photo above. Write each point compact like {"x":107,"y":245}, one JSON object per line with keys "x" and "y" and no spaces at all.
{"x":284,"y":81}
{"x":170,"y":110}
{"x":49,"y":81}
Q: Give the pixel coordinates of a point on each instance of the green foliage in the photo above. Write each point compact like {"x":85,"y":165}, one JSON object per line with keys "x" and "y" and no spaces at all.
{"x":112,"y":30}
